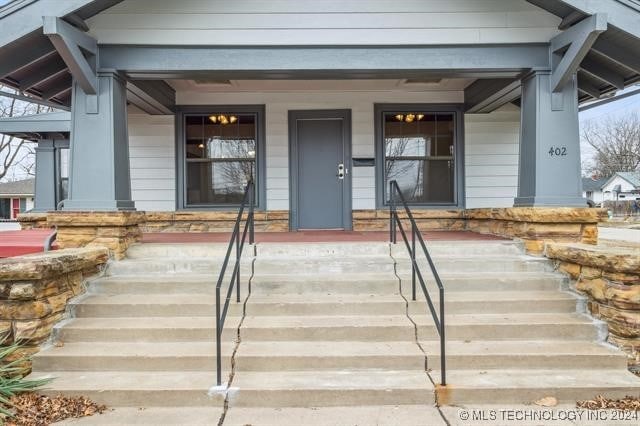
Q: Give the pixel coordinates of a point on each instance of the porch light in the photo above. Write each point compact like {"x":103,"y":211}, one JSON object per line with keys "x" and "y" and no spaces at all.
{"x":223,"y":119}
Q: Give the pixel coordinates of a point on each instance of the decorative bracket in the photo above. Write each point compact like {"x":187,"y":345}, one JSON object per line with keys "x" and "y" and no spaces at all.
{"x":577,"y":40}
{"x":70,"y":44}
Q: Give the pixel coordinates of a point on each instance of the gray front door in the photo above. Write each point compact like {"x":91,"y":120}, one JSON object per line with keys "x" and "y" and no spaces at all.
{"x":320,"y":173}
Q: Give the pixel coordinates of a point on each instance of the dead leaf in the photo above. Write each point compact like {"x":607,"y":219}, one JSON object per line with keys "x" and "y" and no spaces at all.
{"x":629,"y":403}
{"x":32,"y":409}
{"x":547,"y":401}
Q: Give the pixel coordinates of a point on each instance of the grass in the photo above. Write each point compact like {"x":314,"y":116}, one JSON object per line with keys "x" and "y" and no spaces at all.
{"x":12,"y":380}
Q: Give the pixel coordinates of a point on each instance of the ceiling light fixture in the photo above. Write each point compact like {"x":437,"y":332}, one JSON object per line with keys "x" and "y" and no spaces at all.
{"x":223,"y":119}
{"x":409,"y":118}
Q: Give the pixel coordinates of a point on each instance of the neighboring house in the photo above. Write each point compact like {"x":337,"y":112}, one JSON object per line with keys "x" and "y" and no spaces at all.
{"x":592,"y":189}
{"x":463,"y":103}
{"x":16,"y":197}
{"x":622,"y":186}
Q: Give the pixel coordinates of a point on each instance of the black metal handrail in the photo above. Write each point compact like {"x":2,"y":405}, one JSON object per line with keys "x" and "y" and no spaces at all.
{"x":394,"y":221}
{"x":238,"y":239}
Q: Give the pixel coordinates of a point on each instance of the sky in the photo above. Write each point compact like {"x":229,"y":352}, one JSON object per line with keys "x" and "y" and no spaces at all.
{"x":617,"y":109}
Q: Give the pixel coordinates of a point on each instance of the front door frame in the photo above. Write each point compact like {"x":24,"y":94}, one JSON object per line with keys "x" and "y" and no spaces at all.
{"x":319,"y":114}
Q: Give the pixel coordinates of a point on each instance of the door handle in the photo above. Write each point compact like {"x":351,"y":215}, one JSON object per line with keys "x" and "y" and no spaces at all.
{"x":340,"y":171}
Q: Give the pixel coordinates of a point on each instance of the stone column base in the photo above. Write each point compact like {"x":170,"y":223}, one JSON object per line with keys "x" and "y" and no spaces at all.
{"x":116,"y":230}
{"x":33,"y":220}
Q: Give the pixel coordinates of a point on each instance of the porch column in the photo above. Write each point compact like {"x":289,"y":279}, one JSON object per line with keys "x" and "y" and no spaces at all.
{"x":45,"y":192}
{"x":549,"y":171}
{"x":99,"y":170}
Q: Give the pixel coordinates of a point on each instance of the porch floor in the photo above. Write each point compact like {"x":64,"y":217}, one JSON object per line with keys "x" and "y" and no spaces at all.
{"x":310,"y":236}
{"x":18,"y":243}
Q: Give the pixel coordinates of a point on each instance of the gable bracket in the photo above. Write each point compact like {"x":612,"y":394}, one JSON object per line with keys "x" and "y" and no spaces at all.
{"x":70,"y":43}
{"x":577,"y":41}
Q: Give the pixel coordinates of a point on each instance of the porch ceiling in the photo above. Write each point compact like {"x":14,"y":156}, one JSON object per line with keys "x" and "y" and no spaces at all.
{"x":30,"y":63}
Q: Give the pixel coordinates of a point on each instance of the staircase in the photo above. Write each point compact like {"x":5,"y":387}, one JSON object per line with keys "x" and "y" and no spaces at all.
{"x":330,"y":332}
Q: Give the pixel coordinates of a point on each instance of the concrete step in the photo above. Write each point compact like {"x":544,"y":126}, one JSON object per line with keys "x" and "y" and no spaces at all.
{"x":461,"y":248}
{"x":398,"y":327}
{"x":477,"y":263}
{"x":324,"y":251}
{"x":133,"y":356}
{"x":145,"y":329}
{"x":524,"y":386}
{"x":323,"y":283}
{"x":548,"y":326}
{"x":326,"y":355}
{"x":310,"y":266}
{"x":308,"y":250}
{"x":382,"y":264}
{"x":514,"y":302}
{"x":251,"y":356}
{"x":323,"y":355}
{"x":523,"y":354}
{"x":206,"y":265}
{"x":379,"y":415}
{"x":136,"y":388}
{"x":373,"y":328}
{"x":151,"y":416}
{"x":180,"y":250}
{"x":328,"y":388}
{"x":196,"y":304}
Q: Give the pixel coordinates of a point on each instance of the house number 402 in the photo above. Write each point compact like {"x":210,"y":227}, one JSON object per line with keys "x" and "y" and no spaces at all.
{"x":560,"y":151}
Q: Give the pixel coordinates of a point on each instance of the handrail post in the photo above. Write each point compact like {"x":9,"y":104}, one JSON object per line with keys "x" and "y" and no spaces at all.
{"x":443,"y":360}
{"x":218,"y":339}
{"x":238,"y":264}
{"x":392,"y":214}
{"x":251,"y":223}
{"x":413,"y":261}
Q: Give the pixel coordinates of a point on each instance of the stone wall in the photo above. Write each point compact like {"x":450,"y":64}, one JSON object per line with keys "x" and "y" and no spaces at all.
{"x":278,"y":220}
{"x":35,"y":289}
{"x":33,"y":220}
{"x":212,"y":221}
{"x":427,"y":220}
{"x":115,"y":230}
{"x":538,"y":225}
{"x":610,"y":277}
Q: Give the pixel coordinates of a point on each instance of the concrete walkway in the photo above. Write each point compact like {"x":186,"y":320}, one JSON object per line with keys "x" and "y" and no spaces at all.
{"x":619,"y":234}
{"x":489,"y":415}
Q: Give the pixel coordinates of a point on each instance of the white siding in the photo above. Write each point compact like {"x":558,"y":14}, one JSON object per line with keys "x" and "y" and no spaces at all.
{"x":277,"y":106}
{"x":152,"y":161}
{"x":323,"y":22}
{"x":491,"y":158}
{"x":491,"y":151}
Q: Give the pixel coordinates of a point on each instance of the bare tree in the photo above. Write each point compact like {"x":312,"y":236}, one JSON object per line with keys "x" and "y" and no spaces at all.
{"x":616,"y":142}
{"x":17,"y":156}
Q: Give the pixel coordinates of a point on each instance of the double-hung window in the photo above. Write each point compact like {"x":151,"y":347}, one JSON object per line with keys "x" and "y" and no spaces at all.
{"x":418,"y":150}
{"x":221,"y":154}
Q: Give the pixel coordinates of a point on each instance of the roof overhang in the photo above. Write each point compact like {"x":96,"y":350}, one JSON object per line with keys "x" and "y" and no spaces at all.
{"x":52,"y":125}
{"x":30,"y":63}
